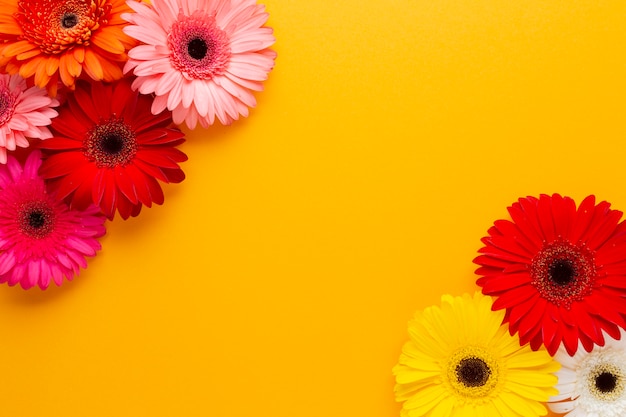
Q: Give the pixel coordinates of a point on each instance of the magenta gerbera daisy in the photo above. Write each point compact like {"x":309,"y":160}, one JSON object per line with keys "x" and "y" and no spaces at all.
{"x":41,"y":238}
{"x":558,"y":270}
{"x":24,"y":113}
{"x":201,"y":58}
{"x":109,"y":150}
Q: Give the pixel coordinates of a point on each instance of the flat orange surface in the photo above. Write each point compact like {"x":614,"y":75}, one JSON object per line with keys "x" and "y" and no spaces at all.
{"x":277,"y":280}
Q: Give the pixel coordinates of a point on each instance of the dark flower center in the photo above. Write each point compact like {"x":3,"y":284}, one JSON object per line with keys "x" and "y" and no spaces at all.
{"x":197,"y":48}
{"x":111,"y":144}
{"x":472,"y":372}
{"x":69,"y":20}
{"x":563,"y":272}
{"x":606,"y":382}
{"x":36,"y":219}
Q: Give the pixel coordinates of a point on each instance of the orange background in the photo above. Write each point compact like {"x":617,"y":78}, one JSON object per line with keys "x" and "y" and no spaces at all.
{"x":277,"y":280}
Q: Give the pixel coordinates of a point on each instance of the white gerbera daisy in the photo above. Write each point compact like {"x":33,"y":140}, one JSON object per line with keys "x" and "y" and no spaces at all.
{"x":592,"y":384}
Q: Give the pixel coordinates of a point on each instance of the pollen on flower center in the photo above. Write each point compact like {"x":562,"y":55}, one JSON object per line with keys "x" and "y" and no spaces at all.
{"x":563,"y":272}
{"x":36,"y":219}
{"x":111,"y":144}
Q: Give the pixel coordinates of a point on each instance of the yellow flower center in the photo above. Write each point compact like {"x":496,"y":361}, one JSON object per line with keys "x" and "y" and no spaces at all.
{"x":473,"y":373}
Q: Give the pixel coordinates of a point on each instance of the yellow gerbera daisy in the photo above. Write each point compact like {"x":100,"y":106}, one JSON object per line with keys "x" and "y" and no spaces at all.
{"x":460,"y":361}
{"x":53,"y":40}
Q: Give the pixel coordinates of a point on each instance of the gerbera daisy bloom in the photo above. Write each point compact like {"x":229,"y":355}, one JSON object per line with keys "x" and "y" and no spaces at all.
{"x":201,"y":58}
{"x":108,"y":149}
{"x":558,"y":270}
{"x":51,"y":40}
{"x":460,"y":360}
{"x":41,"y":238}
{"x":24,"y":112}
{"x":592,"y":384}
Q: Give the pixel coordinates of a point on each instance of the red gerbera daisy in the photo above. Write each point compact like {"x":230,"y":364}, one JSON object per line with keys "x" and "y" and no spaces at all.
{"x":559,"y":271}
{"x":108,"y":149}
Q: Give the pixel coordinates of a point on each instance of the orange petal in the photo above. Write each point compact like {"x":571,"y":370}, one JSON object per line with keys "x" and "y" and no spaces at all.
{"x":28,"y":68}
{"x":52,"y":65}
{"x":10,"y":28}
{"x":92,"y":65}
{"x":18,"y":47}
{"x":73,"y":65}
{"x":112,"y":71}
{"x":28,"y":55}
{"x":79,"y":55}
{"x":41,"y":76}
{"x":106,"y":41}
{"x":53,"y":85}
{"x":64,"y":72}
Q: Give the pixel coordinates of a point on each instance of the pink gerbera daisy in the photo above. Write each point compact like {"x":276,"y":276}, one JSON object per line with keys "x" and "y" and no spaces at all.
{"x":24,"y":112}
{"x":41,"y":238}
{"x":201,"y":58}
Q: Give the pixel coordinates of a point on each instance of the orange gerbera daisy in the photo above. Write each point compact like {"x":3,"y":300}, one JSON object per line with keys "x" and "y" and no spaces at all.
{"x":53,"y":40}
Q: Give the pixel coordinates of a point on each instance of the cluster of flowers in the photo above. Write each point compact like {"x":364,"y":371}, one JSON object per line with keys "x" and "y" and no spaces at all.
{"x":91,"y":96}
{"x":547,"y":328}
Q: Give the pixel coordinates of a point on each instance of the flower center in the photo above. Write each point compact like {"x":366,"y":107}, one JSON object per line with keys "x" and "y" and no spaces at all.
{"x":7,"y":104}
{"x":111,"y":144}
{"x":55,"y":25}
{"x":36,"y":219}
{"x":199,"y":48}
{"x":563,"y":272}
{"x":69,"y":20}
{"x":606,"y":382}
{"x":472,"y":372}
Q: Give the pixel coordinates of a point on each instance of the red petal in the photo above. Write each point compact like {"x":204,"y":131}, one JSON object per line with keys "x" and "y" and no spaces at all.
{"x":156,"y":157}
{"x":59,"y":143}
{"x":108,"y":192}
{"x":62,"y":164}
{"x":174,"y":175}
{"x":123,"y":98}
{"x":563,"y":214}
{"x":583,"y":219}
{"x":155,"y":190}
{"x":125,"y":183}
{"x":544,"y":214}
{"x":505,"y":282}
{"x":150,"y":170}
{"x":84,"y":100}
{"x":604,"y":229}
